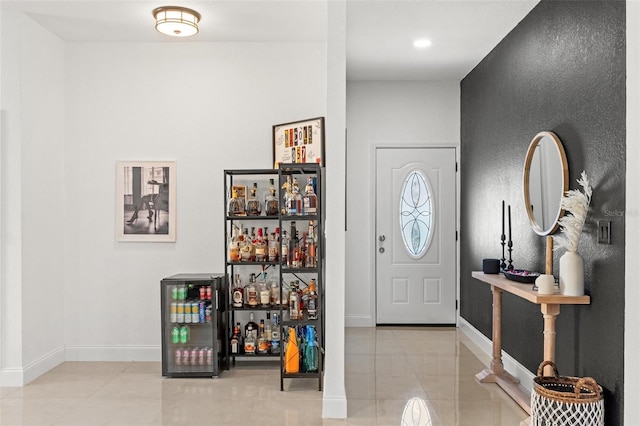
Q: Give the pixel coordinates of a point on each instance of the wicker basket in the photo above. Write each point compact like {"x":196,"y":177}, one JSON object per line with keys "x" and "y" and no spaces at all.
{"x":563,"y":401}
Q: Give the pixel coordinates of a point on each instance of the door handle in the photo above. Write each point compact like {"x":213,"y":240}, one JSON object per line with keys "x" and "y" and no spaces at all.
{"x":381,"y":238}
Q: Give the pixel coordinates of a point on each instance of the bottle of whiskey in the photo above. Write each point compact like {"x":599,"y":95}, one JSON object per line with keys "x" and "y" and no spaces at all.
{"x":267,"y":331}
{"x":252,"y":291}
{"x":295,"y":204}
{"x":253,"y":204}
{"x":236,"y":207}
{"x":237,"y":295}
{"x":293,"y":244}
{"x":235,"y":340}
{"x":286,"y":195}
{"x":311,"y":245}
{"x":275,"y":335}
{"x":284,"y":248}
{"x":294,"y":302}
{"x":234,"y":246}
{"x":310,"y":198}
{"x":247,"y":251}
{"x":272,"y":248}
{"x":263,"y":345}
{"x":271,"y":201}
{"x":312,"y":301}
{"x":264,"y":290}
{"x":260,"y":247}
{"x":250,"y":335}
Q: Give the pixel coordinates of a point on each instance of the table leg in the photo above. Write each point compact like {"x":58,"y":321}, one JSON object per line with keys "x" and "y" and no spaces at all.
{"x":549,"y":313}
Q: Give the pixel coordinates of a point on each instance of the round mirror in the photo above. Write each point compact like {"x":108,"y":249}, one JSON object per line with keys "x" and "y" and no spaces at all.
{"x":546,"y":179}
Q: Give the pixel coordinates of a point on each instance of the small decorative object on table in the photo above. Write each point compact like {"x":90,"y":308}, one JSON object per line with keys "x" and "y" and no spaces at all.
{"x":571,"y":263}
{"x":509,"y":243}
{"x":521,"y":275}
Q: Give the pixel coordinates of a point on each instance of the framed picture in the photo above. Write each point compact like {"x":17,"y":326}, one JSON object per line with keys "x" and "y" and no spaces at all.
{"x":299,"y":142}
{"x":146,"y":201}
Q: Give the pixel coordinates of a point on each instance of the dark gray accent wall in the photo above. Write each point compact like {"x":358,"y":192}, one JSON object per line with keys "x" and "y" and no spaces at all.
{"x":561,"y":69}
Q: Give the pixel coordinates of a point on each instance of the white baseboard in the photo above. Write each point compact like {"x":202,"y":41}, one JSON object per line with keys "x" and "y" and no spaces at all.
{"x":334,"y":407}
{"x":358,"y":321}
{"x":113,"y":353}
{"x":21,"y":376}
{"x":512,"y":366}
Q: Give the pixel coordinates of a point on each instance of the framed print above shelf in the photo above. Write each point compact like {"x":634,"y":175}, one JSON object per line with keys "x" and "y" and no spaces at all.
{"x":299,"y":142}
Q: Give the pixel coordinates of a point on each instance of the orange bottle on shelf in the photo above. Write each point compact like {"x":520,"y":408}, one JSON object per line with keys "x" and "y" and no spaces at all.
{"x":292,"y":353}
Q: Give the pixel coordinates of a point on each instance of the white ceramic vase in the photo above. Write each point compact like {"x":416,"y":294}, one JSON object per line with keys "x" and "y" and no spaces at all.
{"x":571,"y":274}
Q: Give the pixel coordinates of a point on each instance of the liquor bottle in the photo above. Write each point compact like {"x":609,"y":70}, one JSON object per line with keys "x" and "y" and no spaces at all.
{"x":234,"y":246}
{"x":247,"y":250}
{"x":293,"y":244}
{"x":284,"y":248}
{"x":252,"y":291}
{"x":310,"y":351}
{"x":275,"y":335}
{"x":274,"y":296}
{"x":286,"y":195}
{"x":312,"y":301}
{"x":253,"y":204}
{"x":311,"y":260}
{"x":294,"y":302}
{"x":272,"y":248}
{"x":236,"y":207}
{"x":260,"y":247}
{"x":263,"y":344}
{"x":295,"y":203}
{"x":310,"y":198}
{"x":235,"y":340}
{"x":237,"y":295}
{"x":264,"y":291}
{"x":251,"y":327}
{"x":292,"y":353}
{"x":250,"y":337}
{"x":271,"y":201}
{"x":267,"y":329}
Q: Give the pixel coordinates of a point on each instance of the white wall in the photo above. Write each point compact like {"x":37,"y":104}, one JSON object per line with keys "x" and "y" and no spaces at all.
{"x":208,"y":107}
{"x":33,"y":205}
{"x":632,"y":226}
{"x":385,"y":114}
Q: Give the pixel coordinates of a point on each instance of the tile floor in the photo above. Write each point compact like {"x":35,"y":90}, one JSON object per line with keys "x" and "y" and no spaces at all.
{"x":384,"y":368}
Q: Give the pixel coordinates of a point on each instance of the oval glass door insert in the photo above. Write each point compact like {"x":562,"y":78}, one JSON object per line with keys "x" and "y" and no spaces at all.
{"x":416,"y":214}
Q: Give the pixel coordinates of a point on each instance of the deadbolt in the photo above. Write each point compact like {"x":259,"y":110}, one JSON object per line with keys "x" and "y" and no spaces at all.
{"x":381,"y":238}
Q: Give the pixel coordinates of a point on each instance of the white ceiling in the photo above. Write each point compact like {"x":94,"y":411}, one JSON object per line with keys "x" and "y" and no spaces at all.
{"x":379,"y":33}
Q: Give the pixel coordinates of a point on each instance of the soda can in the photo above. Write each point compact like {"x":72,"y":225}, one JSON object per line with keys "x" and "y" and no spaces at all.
{"x":175,"y":335}
{"x":173,"y":313}
{"x":180,"y":312}
{"x":187,"y":312}
{"x":193,"y":356}
{"x":202,"y":312}
{"x":182,"y":293}
{"x":178,"y":356}
{"x":174,"y":293}
{"x":209,"y":356}
{"x":184,"y":334}
{"x":203,"y":293}
{"x":209,"y":293}
{"x":201,"y":356}
{"x":207,"y":313}
{"x":195,"y":312}
{"x":185,"y":356}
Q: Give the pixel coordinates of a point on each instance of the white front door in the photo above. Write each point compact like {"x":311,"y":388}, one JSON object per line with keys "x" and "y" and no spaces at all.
{"x":415,"y":236}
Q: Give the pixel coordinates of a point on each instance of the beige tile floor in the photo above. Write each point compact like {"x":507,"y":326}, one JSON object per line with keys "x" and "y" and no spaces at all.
{"x":384,"y":368}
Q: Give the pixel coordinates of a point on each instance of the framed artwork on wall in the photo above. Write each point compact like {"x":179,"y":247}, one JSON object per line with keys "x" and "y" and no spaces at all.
{"x":146,"y":201}
{"x":299,"y":142}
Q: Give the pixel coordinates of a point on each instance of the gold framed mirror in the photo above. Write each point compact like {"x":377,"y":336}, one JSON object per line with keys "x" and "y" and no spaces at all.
{"x":545,"y":181}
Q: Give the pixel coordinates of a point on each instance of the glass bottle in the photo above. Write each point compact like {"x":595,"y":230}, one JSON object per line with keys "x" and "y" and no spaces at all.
{"x":294,"y":302}
{"x":310,"y":351}
{"x":235,"y":340}
{"x":252,"y":291}
{"x":286,"y":195}
{"x":292,"y":353}
{"x":267,"y":330}
{"x":312,"y":301}
{"x":295,"y":203}
{"x":293,"y":246}
{"x":310,"y":198}
{"x":237,"y":295}
{"x":250,"y":336}
{"x":260,"y":247}
{"x":272,"y":248}
{"x":275,"y":335}
{"x":271,"y":201}
{"x":236,"y":207}
{"x":247,"y":250}
{"x":253,"y":203}
{"x":311,"y":260}
{"x":265,"y":291}
{"x":263,"y":345}
{"x":284,"y":248}
{"x":234,"y":246}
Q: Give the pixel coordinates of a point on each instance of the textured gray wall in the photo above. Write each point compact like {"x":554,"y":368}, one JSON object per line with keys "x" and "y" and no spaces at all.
{"x":561,"y":69}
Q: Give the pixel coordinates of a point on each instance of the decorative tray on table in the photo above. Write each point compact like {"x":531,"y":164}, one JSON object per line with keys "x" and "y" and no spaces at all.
{"x":521,"y":275}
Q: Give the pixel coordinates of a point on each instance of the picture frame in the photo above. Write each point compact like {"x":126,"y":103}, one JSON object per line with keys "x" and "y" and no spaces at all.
{"x":299,"y":142}
{"x":146,"y":201}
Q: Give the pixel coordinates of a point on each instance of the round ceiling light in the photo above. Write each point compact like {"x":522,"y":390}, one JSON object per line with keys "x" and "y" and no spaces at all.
{"x":422,"y":43}
{"x":176,"y":21}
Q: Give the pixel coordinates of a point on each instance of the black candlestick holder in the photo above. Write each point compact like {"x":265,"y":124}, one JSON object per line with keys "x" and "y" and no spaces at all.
{"x":510,"y":248}
{"x":503,"y":265}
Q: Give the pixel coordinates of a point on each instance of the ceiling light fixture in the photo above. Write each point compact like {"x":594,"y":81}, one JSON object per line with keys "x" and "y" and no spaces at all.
{"x":176,"y":21}
{"x":422,"y":43}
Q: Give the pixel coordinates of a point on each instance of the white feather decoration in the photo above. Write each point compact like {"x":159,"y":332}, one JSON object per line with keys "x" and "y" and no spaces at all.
{"x":577,"y":203}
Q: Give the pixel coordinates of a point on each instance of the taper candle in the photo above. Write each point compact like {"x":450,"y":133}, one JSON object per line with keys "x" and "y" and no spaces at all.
{"x":509,"y":222}
{"x":503,"y":218}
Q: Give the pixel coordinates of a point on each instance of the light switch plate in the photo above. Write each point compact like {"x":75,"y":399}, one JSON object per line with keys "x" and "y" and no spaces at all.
{"x":604,"y":232}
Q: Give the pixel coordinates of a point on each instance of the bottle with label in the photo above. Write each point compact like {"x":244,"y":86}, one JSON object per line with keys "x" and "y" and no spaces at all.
{"x":275,"y":335}
{"x":293,"y":302}
{"x":292,"y":353}
{"x":271,"y":201}
{"x":252,"y":291}
{"x":253,"y":204}
{"x":263,"y":344}
{"x":236,"y":207}
{"x":284,"y":248}
{"x":274,"y":296}
{"x":312,"y":301}
{"x":260,"y":247}
{"x":267,"y":329}
{"x":247,"y":251}
{"x":311,"y":260}
{"x":293,"y":244}
{"x":265,"y":291}
{"x":310,"y":199}
{"x":235,"y":340}
{"x":234,"y":246}
{"x":286,"y":195}
{"x":237,"y":295}
{"x":295,"y":203}
{"x":250,"y":336}
{"x":310,"y":351}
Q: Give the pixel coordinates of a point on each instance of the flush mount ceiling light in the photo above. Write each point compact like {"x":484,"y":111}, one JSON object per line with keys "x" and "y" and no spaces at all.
{"x":176,"y":21}
{"x":422,"y":43}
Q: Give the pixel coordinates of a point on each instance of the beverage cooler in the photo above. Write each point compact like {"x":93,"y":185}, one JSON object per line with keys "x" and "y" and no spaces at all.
{"x":193,"y":325}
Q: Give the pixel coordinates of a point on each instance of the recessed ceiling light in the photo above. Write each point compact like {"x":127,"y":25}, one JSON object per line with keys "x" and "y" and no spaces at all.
{"x":422,"y":43}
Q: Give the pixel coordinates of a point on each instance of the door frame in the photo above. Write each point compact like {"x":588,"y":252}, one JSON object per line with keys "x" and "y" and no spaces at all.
{"x":374,"y":190}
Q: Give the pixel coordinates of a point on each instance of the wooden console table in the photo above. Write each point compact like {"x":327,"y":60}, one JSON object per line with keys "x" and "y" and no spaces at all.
{"x":550,"y":307}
